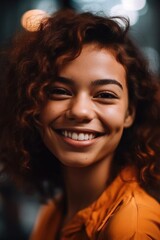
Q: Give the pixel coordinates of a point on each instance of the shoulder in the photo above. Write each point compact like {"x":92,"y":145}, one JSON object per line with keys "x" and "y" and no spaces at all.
{"x":137,"y":217}
{"x":43,"y":228}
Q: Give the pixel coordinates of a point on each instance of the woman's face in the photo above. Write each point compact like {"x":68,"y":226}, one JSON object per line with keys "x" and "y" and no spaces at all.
{"x":83,"y":121}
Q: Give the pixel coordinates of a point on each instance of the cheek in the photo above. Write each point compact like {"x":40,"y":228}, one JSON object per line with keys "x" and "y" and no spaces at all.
{"x":113,"y":116}
{"x":51,"y":111}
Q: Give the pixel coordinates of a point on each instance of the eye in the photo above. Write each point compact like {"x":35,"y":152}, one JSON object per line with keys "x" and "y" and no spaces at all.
{"x":106,"y":95}
{"x":58,"y":93}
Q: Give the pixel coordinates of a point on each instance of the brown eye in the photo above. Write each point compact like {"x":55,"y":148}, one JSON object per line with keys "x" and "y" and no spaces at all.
{"x":58,"y":93}
{"x":105,"y":95}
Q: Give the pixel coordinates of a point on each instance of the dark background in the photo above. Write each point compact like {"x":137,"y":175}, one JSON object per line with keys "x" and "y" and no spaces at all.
{"x":17,"y":209}
{"x":146,"y":31}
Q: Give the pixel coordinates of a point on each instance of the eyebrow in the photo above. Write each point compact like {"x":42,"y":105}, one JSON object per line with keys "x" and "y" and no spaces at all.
{"x":98,"y":82}
{"x":64,"y":80}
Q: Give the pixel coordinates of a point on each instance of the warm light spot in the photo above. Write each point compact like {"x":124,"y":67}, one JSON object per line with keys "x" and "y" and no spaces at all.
{"x":31,"y":19}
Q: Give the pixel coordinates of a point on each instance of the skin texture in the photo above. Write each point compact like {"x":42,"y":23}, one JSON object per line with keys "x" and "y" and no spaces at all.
{"x":63,"y":96}
{"x":81,"y":106}
{"x":29,"y":84}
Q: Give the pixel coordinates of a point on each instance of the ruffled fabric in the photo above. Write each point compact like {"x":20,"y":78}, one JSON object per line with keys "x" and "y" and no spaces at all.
{"x":94,"y":217}
{"x":123,"y":211}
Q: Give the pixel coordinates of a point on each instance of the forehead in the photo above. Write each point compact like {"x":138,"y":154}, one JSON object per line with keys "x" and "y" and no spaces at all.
{"x":94,"y":63}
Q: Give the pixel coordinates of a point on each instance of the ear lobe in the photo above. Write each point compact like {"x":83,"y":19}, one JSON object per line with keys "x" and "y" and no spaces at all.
{"x":129,"y":118}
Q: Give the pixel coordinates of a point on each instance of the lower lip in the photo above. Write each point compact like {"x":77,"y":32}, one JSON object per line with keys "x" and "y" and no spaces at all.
{"x":78,"y":144}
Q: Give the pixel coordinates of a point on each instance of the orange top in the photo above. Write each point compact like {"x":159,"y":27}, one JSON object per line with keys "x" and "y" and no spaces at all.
{"x":124,"y":211}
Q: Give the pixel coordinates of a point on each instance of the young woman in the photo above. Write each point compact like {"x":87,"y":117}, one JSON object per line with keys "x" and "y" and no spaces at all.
{"x":82,"y":116}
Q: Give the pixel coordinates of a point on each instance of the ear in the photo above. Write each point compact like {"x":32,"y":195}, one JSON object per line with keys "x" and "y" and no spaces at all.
{"x":130,"y":116}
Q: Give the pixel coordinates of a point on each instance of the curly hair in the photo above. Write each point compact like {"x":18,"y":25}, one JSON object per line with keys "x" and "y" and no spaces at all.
{"x":35,"y":58}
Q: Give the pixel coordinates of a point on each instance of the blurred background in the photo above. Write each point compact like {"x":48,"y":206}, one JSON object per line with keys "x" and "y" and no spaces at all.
{"x":17,"y":209}
{"x":143,"y":14}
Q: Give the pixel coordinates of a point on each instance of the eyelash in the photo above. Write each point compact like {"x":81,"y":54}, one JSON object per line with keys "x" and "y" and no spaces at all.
{"x":64,"y":92}
{"x":105,"y":95}
{"x":58,"y":92}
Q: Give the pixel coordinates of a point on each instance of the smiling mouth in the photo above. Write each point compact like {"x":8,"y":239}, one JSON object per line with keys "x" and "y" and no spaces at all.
{"x":79,"y":136}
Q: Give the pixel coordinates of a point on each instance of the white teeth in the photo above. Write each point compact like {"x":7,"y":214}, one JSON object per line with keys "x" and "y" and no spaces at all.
{"x":78,"y":136}
{"x":81,"y":137}
{"x":74,"y":136}
{"x":90,"y":136}
{"x":86,"y":136}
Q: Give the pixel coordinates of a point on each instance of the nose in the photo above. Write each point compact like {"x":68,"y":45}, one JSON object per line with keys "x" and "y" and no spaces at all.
{"x":81,"y":109}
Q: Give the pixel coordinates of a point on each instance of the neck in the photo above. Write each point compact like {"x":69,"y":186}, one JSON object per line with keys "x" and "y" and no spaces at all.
{"x":84,"y":185}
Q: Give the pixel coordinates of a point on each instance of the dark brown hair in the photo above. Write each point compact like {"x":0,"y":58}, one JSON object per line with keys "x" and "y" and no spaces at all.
{"x":33,"y":61}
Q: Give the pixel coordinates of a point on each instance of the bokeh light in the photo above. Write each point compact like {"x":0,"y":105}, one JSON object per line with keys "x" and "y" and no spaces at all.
{"x":118,"y":10}
{"x":31,"y":19}
{"x":133,"y":5}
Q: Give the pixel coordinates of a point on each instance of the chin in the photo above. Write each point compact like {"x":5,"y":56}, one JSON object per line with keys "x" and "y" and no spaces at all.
{"x":79,"y":163}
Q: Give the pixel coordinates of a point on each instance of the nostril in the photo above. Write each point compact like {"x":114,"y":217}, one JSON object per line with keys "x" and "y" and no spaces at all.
{"x":80,"y":108}
{"x":79,"y":118}
{"x":79,"y":114}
